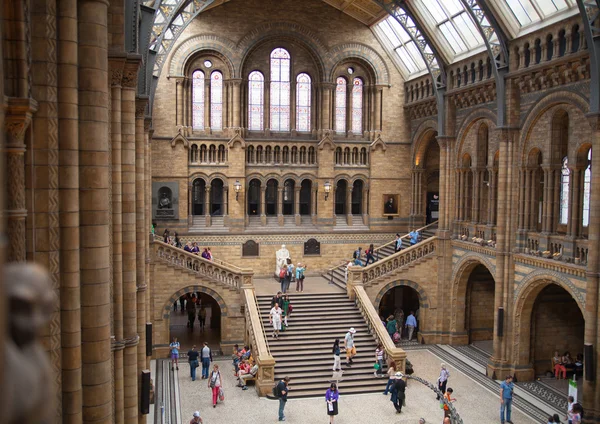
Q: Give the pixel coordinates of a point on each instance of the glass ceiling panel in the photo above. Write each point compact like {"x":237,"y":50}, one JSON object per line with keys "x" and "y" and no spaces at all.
{"x":402,"y":46}
{"x":530,"y":11}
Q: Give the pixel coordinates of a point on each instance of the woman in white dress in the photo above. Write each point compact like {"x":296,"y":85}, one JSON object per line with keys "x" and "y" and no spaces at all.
{"x":275,"y":319}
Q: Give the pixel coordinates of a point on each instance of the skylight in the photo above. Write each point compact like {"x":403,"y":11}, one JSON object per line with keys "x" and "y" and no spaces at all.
{"x":531,"y":11}
{"x":402,"y":45}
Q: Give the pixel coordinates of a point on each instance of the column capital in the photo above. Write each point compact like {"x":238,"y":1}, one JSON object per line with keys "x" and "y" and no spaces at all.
{"x":116,"y":65}
{"x":130,"y":70}
{"x":445,"y":141}
{"x":140,"y":106}
{"x":18,"y":117}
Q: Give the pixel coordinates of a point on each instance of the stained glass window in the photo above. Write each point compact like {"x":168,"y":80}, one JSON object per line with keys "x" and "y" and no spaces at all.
{"x":565,"y":176}
{"x":198,"y":100}
{"x":280,"y":90}
{"x":216,"y":100}
{"x":256,"y":85}
{"x":340,"y":105}
{"x":303,"y":92}
{"x":357,"y":105}
{"x":587,"y":185}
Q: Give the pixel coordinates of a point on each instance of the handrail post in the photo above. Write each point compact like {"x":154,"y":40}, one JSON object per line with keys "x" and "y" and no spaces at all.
{"x":355,"y":278}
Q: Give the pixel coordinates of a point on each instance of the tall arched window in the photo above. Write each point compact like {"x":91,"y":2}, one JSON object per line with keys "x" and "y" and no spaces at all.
{"x":303,"y":102}
{"x":216,"y":100}
{"x":198,"y":100}
{"x":280,"y":90}
{"x":340,"y":105}
{"x":256,"y":85}
{"x":565,"y":176}
{"x":587,"y":185}
{"x":357,"y":105}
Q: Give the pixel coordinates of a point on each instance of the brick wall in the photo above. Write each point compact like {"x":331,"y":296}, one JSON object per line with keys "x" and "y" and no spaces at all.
{"x":480,"y":305}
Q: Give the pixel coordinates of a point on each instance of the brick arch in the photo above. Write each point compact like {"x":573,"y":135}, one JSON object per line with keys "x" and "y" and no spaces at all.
{"x":525,"y":298}
{"x":423,"y":298}
{"x":224,"y":48}
{"x":468,"y":123}
{"x":168,"y":305}
{"x":339,"y":177}
{"x":349,"y":51}
{"x":420,"y":140}
{"x":460,"y":278}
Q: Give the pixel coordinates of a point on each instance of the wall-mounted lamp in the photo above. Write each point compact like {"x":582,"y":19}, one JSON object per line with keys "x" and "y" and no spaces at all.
{"x":327,"y":187}
{"x":237,"y":186}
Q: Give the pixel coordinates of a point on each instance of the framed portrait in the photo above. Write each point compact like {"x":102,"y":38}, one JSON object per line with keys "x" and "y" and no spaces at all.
{"x":391,"y":205}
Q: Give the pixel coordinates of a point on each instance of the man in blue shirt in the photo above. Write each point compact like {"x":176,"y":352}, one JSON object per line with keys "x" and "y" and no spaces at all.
{"x":414,"y":237}
{"x":411,"y":324}
{"x":506,"y":394}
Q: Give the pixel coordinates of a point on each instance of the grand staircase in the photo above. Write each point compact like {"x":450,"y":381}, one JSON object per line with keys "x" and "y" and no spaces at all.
{"x":337,"y":275}
{"x":304,"y":351}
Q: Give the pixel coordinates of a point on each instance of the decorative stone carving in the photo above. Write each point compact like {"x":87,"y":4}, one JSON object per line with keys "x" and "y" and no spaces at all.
{"x":28,"y":390}
{"x":281,"y":256}
{"x":165,"y":200}
{"x":312,"y":247}
{"x":250,"y":248}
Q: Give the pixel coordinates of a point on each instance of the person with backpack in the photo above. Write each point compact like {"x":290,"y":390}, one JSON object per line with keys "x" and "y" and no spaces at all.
{"x":278,"y":298}
{"x":281,"y":392}
{"x":193,"y":361}
{"x":350,"y":348}
{"x":369,"y":255}
{"x":391,"y":326}
{"x":282,"y":275}
{"x":300,"y":277}
{"x":357,"y":255}
{"x":214,"y":383}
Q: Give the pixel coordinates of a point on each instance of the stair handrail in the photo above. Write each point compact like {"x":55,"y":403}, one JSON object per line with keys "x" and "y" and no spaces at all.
{"x":216,"y":269}
{"x":377,"y":249}
{"x":364,"y":304}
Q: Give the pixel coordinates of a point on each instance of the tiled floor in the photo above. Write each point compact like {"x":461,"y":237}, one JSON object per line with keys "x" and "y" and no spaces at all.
{"x":475,"y":404}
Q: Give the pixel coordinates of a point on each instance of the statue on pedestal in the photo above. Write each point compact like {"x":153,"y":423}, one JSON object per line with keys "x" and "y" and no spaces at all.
{"x":281,"y":256}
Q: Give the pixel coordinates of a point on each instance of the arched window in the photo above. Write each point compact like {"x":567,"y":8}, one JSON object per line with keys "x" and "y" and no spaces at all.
{"x":303,"y":102}
{"x":363,"y":156}
{"x":280,"y":90}
{"x":198,"y":100}
{"x":286,"y":155}
{"x":311,"y":156}
{"x":250,"y":154}
{"x":340,"y":105}
{"x":565,"y":176}
{"x":268,"y":156}
{"x":203,"y":157}
{"x":216,"y":100}
{"x":212,"y":153}
{"x":357,"y":105}
{"x":277,"y":154}
{"x":303,"y":155}
{"x":347,"y":156}
{"x":355,"y":156}
{"x":294,"y":154}
{"x":338,"y":156}
{"x":259,"y":154}
{"x":194,"y":153}
{"x":587,"y":185}
{"x":221,"y":154}
{"x":256,"y":85}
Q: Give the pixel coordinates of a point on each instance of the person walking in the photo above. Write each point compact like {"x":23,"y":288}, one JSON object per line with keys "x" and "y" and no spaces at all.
{"x":282,"y":394}
{"x":350,"y":348}
{"x":331,"y":397}
{"x":175,"y":346}
{"x":300,"y":277}
{"x":398,"y":243}
{"x":202,"y":317}
{"x":369,"y":255}
{"x":196,"y":419}
{"x":414,"y":237}
{"x":391,"y":326}
{"x":206,"y":360}
{"x":398,"y":392}
{"x":191,"y":311}
{"x":448,"y":400}
{"x":411,"y":324}
{"x":379,"y":352}
{"x":336,"y":355}
{"x":391,"y":372}
{"x":193,"y":361}
{"x":287,"y":279}
{"x":275,"y":319}
{"x":443,"y":379}
{"x":214,"y":383}
{"x":506,"y":396}
{"x":570,"y":403}
{"x":287,"y":309}
{"x":357,"y":255}
{"x":282,"y":275}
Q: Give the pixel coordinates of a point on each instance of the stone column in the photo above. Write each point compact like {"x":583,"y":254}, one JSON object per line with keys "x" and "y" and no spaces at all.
{"x":546,"y":203}
{"x":18,"y":118}
{"x":179,"y":102}
{"x":349,"y":87}
{"x":297,"y":216}
{"x":68,"y":182}
{"x":349,"y":204}
{"x":313,"y":206}
{"x":475,"y":200}
{"x":378,"y":102}
{"x":575,"y":206}
{"x":190,"y":204}
{"x":326,"y":109}
{"x":128,"y":166}
{"x":263,"y":205}
{"x":207,"y":104}
{"x":267,"y":110}
{"x":225,"y":204}
{"x":207,"y":205}
{"x":237,"y":102}
{"x":526,"y":199}
{"x":93,"y":205}
{"x":280,"y":205}
{"x":364,"y":205}
{"x":141,"y":239}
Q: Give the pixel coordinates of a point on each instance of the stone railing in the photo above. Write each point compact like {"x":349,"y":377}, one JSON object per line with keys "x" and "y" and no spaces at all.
{"x":551,"y":264}
{"x":431,"y":226}
{"x":255,"y":333}
{"x":216,"y":270}
{"x":364,"y":304}
{"x":396,"y":261}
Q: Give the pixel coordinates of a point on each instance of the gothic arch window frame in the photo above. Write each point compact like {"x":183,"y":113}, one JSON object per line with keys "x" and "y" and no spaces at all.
{"x":587,"y":186}
{"x":303,"y":102}
{"x":280,"y":89}
{"x":216,"y":100}
{"x":198,"y":99}
{"x":256,"y":101}
{"x":357,"y":106}
{"x":340,"y":107}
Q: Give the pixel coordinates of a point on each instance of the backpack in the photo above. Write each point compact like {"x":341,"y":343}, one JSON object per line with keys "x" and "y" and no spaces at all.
{"x":282,"y":273}
{"x":354,"y":256}
{"x":396,"y":337}
{"x":276,"y":390}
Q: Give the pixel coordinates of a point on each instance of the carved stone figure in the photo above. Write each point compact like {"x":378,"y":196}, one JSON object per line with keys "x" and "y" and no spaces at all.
{"x":28,"y":387}
{"x":281,"y":256}
{"x":165,"y":202}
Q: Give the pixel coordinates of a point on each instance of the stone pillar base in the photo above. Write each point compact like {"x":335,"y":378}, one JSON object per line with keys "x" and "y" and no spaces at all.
{"x":457,"y":339}
{"x":298,"y":220}
{"x":266,"y":375}
{"x":263,"y":219}
{"x":280,"y":219}
{"x":349,"y":219}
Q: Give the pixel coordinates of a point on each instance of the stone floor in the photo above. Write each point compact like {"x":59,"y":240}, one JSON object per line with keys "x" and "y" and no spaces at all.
{"x":474,"y":403}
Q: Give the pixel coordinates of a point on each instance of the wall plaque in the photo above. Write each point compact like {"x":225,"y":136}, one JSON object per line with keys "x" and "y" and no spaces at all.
{"x":250,"y":248}
{"x":312,"y":247}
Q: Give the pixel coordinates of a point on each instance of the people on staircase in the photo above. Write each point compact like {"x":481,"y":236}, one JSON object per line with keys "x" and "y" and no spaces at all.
{"x":336,"y":355}
{"x":331,"y":397}
{"x":278,"y":298}
{"x":287,"y":309}
{"x":357,"y":255}
{"x":300,"y":277}
{"x":398,"y":243}
{"x":391,"y":326}
{"x":414,"y":237}
{"x":350,"y":348}
{"x":369,"y":255}
{"x":275,"y":319}
{"x":379,"y":353}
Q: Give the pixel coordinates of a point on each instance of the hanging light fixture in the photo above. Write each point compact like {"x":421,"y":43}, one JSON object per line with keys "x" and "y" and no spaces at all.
{"x":327,"y":187}
{"x":237,"y":186}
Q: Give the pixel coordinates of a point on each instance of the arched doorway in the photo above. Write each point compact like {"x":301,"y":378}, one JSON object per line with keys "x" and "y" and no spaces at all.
{"x":198,"y":196}
{"x":557,"y":324}
{"x":305,"y":201}
{"x":479,"y":311}
{"x":271,"y":198}
{"x":216,"y":197}
{"x":427,"y":179}
{"x":399,"y":299}
{"x":188,"y":336}
{"x":288,"y":197}
{"x":357,"y":197}
{"x":254,"y":197}
{"x":340,"y":197}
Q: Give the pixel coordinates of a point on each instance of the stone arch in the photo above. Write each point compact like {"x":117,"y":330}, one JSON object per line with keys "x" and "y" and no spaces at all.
{"x":168,"y":304}
{"x":474,"y":119}
{"x":359,"y":52}
{"x":339,"y":177}
{"x":289,"y":176}
{"x":219,"y":176}
{"x":222,"y":47}
{"x":283,"y":31}
{"x":358,"y":177}
{"x":258,"y":177}
{"x":460,"y":279}
{"x":421,"y":140}
{"x":308,"y":177}
{"x":524,"y":300}
{"x":423,"y":298}
{"x":199,"y":175}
